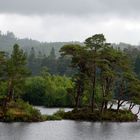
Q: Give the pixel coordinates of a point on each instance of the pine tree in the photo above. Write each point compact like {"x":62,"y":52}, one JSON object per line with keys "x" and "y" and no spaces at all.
{"x":15,"y":72}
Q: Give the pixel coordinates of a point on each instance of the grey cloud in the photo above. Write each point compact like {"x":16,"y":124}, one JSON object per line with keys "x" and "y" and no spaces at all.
{"x":71,"y":7}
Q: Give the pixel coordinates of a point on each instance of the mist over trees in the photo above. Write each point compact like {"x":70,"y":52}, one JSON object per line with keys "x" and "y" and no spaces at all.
{"x":44,"y":54}
{"x":9,"y":39}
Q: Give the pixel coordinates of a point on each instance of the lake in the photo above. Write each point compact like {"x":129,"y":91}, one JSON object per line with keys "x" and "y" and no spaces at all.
{"x":69,"y":130}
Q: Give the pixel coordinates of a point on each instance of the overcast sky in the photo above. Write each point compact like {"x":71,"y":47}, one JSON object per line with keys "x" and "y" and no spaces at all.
{"x":67,"y":20}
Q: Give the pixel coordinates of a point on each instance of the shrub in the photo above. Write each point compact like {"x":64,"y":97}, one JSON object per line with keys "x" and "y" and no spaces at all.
{"x":21,"y":111}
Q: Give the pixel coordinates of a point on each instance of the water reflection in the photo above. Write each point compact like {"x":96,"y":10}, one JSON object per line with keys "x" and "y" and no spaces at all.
{"x":70,"y":130}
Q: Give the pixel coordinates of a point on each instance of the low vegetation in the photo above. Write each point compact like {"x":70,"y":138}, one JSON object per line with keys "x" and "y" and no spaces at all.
{"x":20,"y":111}
{"x":96,"y":116}
{"x":109,"y":115}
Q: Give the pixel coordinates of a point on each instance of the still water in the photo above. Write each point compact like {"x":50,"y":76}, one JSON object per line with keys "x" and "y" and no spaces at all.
{"x":69,"y":130}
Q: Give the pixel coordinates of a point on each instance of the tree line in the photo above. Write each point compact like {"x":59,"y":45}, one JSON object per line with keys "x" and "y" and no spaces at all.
{"x":56,"y":65}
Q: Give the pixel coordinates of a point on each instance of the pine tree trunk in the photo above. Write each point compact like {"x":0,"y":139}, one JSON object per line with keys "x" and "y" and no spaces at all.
{"x":93,"y":94}
{"x":10,"y":90}
{"x":9,"y":96}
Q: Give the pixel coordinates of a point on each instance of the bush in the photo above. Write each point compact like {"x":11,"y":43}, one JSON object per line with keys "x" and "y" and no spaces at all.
{"x":60,"y":113}
{"x":21,"y":111}
{"x":53,"y":117}
{"x":109,"y":115}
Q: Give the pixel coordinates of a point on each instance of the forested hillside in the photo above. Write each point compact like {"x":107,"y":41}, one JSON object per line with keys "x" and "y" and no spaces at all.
{"x":9,"y":39}
{"x":46,"y":54}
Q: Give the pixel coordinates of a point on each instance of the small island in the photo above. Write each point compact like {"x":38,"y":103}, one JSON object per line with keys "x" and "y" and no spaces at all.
{"x":101,"y":77}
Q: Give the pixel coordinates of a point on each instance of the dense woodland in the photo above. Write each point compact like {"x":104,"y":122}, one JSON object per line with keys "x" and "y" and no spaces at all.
{"x":95,"y":74}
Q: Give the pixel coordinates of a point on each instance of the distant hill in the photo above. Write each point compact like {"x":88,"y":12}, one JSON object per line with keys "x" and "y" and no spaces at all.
{"x":9,"y":39}
{"x":123,"y":45}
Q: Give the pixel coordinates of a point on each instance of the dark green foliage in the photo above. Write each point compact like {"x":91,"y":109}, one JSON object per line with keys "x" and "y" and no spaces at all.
{"x":35,"y":91}
{"x":98,"y":64}
{"x":110,"y":115}
{"x":55,"y":65}
{"x":137,"y":65}
{"x":48,"y":90}
{"x":33,"y":63}
{"x":15,"y":72}
{"x":50,"y":62}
